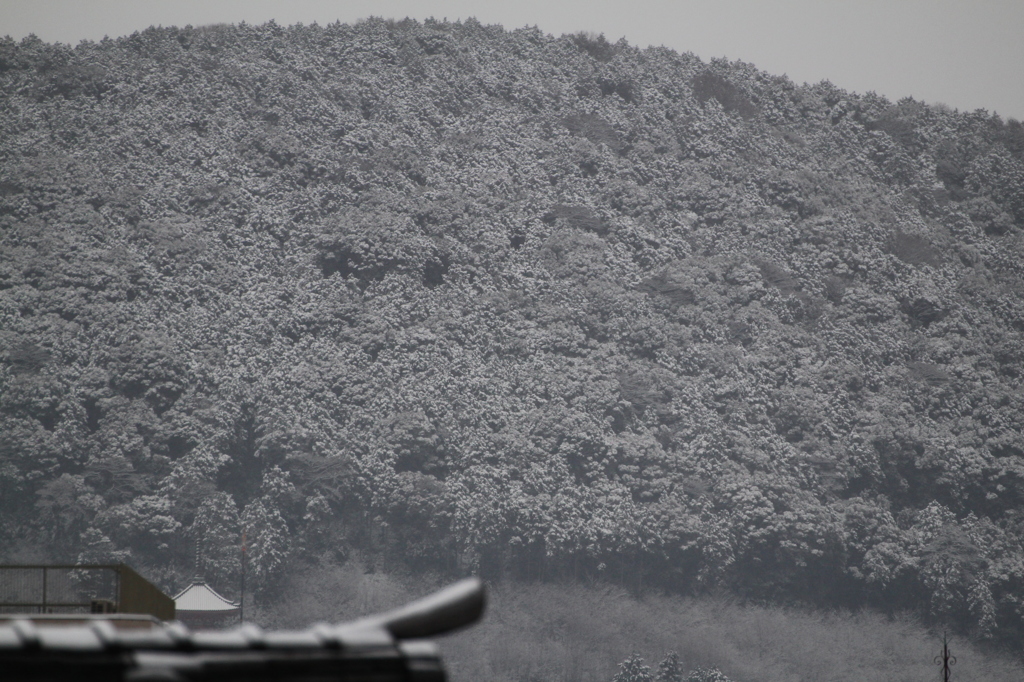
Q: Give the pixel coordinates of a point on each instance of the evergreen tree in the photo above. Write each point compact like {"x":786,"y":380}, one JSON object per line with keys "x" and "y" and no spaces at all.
{"x":633,"y":669}
{"x":707,"y":675}
{"x":670,"y":669}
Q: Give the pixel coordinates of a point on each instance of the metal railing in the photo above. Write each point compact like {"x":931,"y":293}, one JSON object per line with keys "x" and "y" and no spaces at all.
{"x":82,"y":588}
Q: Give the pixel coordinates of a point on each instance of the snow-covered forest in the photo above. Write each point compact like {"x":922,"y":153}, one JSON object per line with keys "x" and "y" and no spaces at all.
{"x":457,"y":299}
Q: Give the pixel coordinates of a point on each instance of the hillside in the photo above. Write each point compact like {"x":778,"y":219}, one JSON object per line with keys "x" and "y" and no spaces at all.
{"x":468,"y":299}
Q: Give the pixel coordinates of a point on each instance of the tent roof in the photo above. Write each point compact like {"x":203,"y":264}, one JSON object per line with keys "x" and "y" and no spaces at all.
{"x":200,"y":597}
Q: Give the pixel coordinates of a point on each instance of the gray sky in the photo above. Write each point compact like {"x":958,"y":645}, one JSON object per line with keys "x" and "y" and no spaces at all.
{"x":968,"y":54}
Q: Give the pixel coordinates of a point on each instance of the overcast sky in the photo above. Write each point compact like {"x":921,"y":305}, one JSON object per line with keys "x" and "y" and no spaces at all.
{"x":968,"y":54}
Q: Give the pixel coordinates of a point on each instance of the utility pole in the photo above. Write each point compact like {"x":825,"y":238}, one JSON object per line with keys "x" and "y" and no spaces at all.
{"x":945,"y":659}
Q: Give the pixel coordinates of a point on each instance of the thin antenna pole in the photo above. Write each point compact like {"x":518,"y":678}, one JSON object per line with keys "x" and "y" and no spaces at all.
{"x":241,"y":594}
{"x":946,"y":660}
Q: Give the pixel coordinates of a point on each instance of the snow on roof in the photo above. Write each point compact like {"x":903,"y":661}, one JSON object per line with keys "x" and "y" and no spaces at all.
{"x":200,"y":597}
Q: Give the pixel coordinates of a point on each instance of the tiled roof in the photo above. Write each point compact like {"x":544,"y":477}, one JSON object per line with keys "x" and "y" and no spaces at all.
{"x":200,"y":597}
